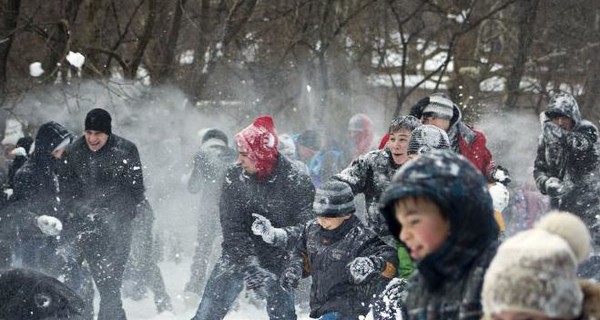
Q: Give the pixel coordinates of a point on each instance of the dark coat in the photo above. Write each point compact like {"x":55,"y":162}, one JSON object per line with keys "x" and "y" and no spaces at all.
{"x":325,"y":254}
{"x":572,"y":157}
{"x":110,"y":179}
{"x":448,"y":281}
{"x":36,"y":185}
{"x":370,"y":174}
{"x":284,"y":197}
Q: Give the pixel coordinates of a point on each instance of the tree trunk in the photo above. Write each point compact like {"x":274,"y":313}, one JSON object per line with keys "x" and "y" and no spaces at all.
{"x":7,"y":35}
{"x":527,"y":13}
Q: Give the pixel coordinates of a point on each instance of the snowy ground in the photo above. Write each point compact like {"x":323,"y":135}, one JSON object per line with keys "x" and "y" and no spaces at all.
{"x":175,"y":276}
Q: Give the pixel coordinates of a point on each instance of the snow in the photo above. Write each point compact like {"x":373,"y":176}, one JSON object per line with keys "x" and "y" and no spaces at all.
{"x":410,"y":81}
{"x":175,"y":276}
{"x":76,"y":59}
{"x":187,"y":57}
{"x":35,"y":69}
{"x":492,"y":84}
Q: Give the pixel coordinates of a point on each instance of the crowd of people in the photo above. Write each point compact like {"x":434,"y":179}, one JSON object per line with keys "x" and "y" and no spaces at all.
{"x":429,"y":241}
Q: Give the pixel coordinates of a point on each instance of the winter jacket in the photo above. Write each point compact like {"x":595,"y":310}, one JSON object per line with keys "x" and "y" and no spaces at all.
{"x":325,"y":254}
{"x":284,"y":197}
{"x":108,"y":183}
{"x":466,"y":141}
{"x":572,"y":157}
{"x":324,"y":165}
{"x":448,"y":281}
{"x":370,"y":174}
{"x":210,"y":164}
{"x":37,"y":185}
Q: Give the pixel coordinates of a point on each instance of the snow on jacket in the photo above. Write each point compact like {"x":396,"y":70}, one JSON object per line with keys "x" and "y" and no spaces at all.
{"x":110,"y":179}
{"x":572,"y":157}
{"x":284,"y":197}
{"x":325,"y":254}
{"x":469,"y":142}
{"x":448,"y":281}
{"x":370,"y":174}
{"x":37,"y":184}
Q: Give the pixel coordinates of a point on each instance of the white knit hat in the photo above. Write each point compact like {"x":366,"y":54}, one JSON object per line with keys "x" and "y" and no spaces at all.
{"x":535,"y":270}
{"x":440,"y":105}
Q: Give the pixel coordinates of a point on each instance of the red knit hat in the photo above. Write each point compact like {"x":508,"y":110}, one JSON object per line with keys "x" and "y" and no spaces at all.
{"x":260,"y":141}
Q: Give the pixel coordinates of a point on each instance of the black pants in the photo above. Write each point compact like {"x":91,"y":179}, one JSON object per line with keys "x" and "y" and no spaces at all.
{"x":105,"y":244}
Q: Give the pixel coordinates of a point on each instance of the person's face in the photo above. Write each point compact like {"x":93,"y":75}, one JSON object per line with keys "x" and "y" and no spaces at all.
{"x":516,"y":315}
{"x":95,"y":139}
{"x":398,"y":144}
{"x":564,"y":122}
{"x":58,"y":154}
{"x":355,"y":136}
{"x":331,"y":223}
{"x":432,"y":119}
{"x":305,"y":153}
{"x":245,"y":161}
{"x":424,"y":228}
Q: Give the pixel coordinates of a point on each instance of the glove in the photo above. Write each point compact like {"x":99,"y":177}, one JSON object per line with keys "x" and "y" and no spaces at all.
{"x":257,"y":280}
{"x":500,"y":196}
{"x":49,"y":225}
{"x":500,"y":174}
{"x":554,"y":187}
{"x":263,"y":227}
{"x":290,"y":279}
{"x":391,"y":301}
{"x":362,"y":268}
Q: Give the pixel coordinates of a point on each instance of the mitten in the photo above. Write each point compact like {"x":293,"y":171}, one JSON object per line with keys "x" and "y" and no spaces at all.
{"x":362,"y":268}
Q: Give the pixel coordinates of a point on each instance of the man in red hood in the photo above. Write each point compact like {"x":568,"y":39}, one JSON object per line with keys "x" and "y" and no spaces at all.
{"x":265,"y":186}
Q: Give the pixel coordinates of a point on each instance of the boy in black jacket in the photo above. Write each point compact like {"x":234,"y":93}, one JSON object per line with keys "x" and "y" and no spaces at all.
{"x":348,"y":263}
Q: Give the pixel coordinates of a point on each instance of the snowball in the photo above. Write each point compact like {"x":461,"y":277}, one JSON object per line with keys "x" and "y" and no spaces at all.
{"x":35,"y":69}
{"x":76,"y":59}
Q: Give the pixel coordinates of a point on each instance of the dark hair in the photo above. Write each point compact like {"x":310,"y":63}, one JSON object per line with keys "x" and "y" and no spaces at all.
{"x":404,"y":122}
{"x":215,"y":134}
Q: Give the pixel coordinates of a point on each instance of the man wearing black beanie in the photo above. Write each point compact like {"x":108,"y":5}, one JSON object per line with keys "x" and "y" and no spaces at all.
{"x":104,"y":191}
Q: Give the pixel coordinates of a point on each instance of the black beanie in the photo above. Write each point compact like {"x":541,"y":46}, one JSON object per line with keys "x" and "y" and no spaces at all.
{"x":310,"y":139}
{"x":98,"y":120}
{"x":215,"y":134}
{"x":334,"y":199}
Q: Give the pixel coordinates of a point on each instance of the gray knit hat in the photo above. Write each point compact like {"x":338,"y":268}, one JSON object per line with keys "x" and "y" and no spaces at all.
{"x":334,"y":199}
{"x":426,"y":138}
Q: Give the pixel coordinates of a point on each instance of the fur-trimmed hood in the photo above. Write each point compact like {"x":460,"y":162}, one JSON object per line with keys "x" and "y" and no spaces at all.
{"x":591,"y":300}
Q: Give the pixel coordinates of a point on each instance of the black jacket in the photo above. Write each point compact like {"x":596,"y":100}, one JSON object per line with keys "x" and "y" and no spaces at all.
{"x":325,"y":254}
{"x":572,"y":157}
{"x":110,"y":179}
{"x":370,"y":174}
{"x":37,"y":184}
{"x":285,"y":197}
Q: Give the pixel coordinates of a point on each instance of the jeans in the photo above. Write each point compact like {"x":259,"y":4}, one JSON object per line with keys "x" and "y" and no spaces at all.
{"x":335,"y":316}
{"x":225,"y":283}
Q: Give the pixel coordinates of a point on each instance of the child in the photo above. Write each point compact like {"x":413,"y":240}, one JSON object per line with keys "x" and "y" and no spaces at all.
{"x":348,"y":263}
{"x":440,"y":207}
{"x":533,"y":275}
{"x":426,"y":138}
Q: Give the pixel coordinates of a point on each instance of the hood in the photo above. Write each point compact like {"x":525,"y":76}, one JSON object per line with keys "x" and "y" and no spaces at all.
{"x":49,"y":136}
{"x":564,"y":104}
{"x":460,"y":190}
